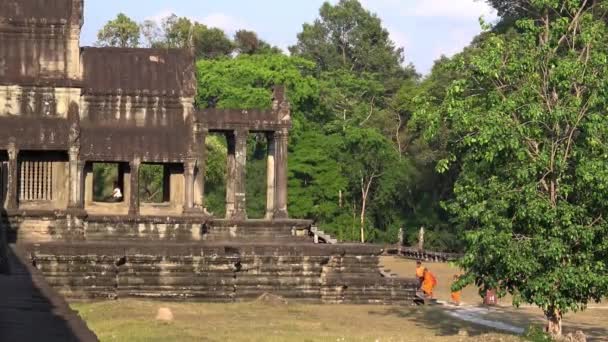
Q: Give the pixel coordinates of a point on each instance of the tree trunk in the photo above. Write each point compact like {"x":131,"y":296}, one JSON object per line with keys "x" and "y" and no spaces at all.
{"x":554,"y":322}
{"x":363,"y":218}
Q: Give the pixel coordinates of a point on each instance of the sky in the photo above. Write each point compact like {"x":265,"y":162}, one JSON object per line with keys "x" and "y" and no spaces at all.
{"x":425,"y":28}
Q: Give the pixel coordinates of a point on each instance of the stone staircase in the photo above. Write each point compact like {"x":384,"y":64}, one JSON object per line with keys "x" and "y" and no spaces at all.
{"x":320,"y":236}
{"x":257,"y":231}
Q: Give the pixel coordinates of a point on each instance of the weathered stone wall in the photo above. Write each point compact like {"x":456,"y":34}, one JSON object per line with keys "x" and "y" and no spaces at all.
{"x":221,"y":272}
{"x":59,"y":226}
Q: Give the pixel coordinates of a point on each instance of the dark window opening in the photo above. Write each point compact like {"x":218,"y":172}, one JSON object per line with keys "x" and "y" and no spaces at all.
{"x":154,"y":183}
{"x":215,"y":174}
{"x":108,"y":182}
{"x":257,"y":147}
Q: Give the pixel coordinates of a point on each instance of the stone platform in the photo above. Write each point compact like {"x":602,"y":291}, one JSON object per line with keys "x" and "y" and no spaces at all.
{"x":181,"y":258}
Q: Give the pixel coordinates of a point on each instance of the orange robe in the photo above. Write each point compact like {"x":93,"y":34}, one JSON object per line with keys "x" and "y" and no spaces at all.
{"x":419,"y":272}
{"x":455,"y":296}
{"x":428,"y":284}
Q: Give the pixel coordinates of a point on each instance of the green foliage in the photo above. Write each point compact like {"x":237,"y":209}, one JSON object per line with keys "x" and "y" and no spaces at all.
{"x":527,"y":118}
{"x":215,"y":175}
{"x":104,"y":176}
{"x":536,"y":334}
{"x":120,"y":32}
{"x":256,"y":175}
{"x":246,"y":82}
{"x":151,"y":177}
{"x":248,"y":42}
{"x":347,"y":36}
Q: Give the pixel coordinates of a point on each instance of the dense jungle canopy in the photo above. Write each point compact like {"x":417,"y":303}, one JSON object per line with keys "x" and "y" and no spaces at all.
{"x":500,"y":152}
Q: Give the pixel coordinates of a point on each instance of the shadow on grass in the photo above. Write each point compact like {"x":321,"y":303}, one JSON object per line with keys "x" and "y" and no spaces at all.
{"x":438,"y":320}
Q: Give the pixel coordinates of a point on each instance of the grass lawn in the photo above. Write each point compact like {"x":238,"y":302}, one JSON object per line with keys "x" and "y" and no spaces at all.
{"x":134,"y":320}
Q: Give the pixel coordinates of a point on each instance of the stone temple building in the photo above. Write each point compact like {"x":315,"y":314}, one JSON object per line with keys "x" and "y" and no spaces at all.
{"x":64,"y":108}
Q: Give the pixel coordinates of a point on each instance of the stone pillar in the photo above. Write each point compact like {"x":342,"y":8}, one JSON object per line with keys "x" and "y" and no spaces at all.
{"x":240,"y":202}
{"x":281,"y":139}
{"x":12,"y":178}
{"x":189,"y":186}
{"x":76,"y":171}
{"x":270,"y":177}
{"x":230,"y":174}
{"x":134,"y":187}
{"x":201,"y":168}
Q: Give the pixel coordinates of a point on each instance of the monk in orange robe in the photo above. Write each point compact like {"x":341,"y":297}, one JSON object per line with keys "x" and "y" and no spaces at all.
{"x":455,"y":296}
{"x":428,"y":283}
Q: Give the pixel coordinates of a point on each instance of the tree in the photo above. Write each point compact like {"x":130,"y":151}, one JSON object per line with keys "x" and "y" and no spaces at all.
{"x":181,"y":32}
{"x":120,"y":32}
{"x":151,"y":33}
{"x":248,"y":42}
{"x":369,"y":157}
{"x":529,"y":133}
{"x":347,"y":36}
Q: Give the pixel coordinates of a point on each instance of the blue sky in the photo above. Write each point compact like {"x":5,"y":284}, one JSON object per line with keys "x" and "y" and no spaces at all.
{"x":425,"y":28}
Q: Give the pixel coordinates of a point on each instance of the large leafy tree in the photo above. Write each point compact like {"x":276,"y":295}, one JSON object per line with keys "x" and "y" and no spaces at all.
{"x":529,"y":130}
{"x":183,"y":33}
{"x":347,"y":36}
{"x":120,"y":32}
{"x":248,"y":42}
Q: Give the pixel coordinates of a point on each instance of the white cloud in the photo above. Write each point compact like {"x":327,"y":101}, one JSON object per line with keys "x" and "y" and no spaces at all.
{"x":453,"y":9}
{"x":455,"y":42}
{"x":160,"y":15}
{"x":225,"y":22}
{"x":398,"y":37}
{"x":465,"y":9}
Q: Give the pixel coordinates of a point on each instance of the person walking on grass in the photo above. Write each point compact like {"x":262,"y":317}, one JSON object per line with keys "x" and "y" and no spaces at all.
{"x":429,"y":282}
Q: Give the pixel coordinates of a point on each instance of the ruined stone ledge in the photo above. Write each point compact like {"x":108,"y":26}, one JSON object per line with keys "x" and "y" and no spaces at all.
{"x":48,"y":82}
{"x":216,"y":223}
{"x":171,"y":248}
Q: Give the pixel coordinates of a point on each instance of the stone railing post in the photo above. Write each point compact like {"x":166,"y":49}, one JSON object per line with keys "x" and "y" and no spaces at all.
{"x":281,"y":141}
{"x":76,"y":174}
{"x":189,"y":186}
{"x":240,"y":202}
{"x":270,"y":177}
{"x":230,"y":174}
{"x":201,"y":167}
{"x":12,"y":177}
{"x":134,"y":187}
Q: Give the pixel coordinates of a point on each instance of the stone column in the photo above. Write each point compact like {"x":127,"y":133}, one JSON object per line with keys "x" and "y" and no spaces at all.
{"x":12,"y":178}
{"x":240,"y":192}
{"x":134,"y":187}
{"x":201,"y":168}
{"x":270,"y":177}
{"x":76,"y":170}
{"x":189,"y":186}
{"x":230,"y":174}
{"x":281,"y":138}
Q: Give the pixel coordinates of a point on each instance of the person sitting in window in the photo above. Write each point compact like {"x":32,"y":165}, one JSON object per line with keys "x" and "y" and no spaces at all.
{"x":116,"y":193}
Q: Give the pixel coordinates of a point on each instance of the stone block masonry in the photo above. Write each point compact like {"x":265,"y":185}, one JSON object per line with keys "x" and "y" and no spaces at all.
{"x":64,"y":109}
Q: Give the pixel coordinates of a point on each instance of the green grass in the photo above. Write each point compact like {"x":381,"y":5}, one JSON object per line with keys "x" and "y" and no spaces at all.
{"x":134,"y":320}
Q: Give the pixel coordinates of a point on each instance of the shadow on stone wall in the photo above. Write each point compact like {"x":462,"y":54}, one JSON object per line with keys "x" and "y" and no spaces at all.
{"x":30,"y":310}
{"x":4,"y":264}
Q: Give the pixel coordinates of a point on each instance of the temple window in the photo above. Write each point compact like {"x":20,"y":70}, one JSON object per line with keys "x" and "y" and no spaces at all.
{"x":39,"y":175}
{"x":154,"y":183}
{"x":107,"y":183}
